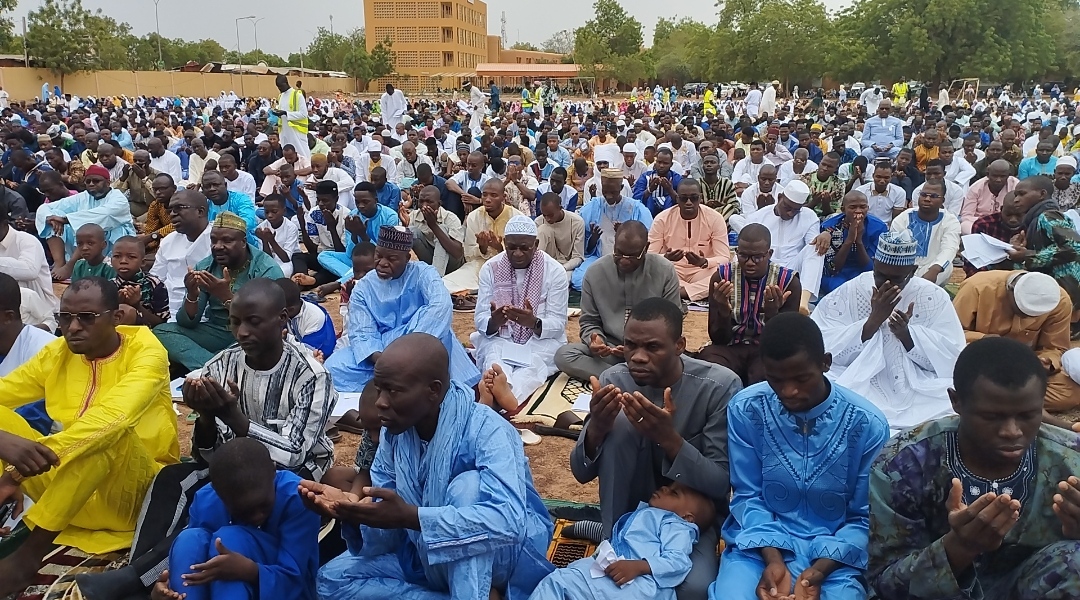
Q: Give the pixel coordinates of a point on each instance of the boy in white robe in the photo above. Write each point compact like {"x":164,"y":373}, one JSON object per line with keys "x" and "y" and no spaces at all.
{"x":894,"y":337}
{"x":520,"y":318}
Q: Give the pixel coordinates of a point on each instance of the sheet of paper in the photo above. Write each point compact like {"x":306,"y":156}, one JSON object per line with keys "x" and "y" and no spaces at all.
{"x":516,"y":355}
{"x":176,"y":385}
{"x":982,"y":250}
{"x":345,"y":402}
{"x":581,"y":404}
{"x":605,"y":555}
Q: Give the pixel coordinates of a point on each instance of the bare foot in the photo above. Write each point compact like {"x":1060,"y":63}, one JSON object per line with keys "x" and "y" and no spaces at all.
{"x":303,"y":280}
{"x":17,"y":573}
{"x":501,"y":390}
{"x":484,"y":388}
{"x":62,"y":272}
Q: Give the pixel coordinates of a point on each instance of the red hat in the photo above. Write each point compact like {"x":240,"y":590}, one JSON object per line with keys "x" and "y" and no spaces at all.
{"x":98,"y":170}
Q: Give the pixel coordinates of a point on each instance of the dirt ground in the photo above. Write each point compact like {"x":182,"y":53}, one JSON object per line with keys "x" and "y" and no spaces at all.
{"x":549,"y":459}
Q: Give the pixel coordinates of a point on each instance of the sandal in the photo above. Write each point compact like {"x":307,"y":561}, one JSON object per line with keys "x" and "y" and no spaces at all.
{"x":350,"y":422}
{"x":313,"y":297}
{"x":464,"y":304}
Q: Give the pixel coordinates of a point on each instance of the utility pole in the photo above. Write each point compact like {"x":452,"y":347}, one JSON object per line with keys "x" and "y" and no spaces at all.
{"x":25,"y":50}
{"x":331,"y":25}
{"x":157,"y":22}
{"x":239,"y":55}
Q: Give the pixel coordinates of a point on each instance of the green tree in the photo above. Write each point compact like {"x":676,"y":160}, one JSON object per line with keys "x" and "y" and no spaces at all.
{"x":327,"y":51}
{"x":524,"y":46}
{"x":9,"y":42}
{"x":382,"y":60}
{"x":58,"y":37}
{"x":618,"y":31}
{"x":682,"y":51}
{"x":938,"y":40}
{"x":781,"y":39}
{"x":590,"y":51}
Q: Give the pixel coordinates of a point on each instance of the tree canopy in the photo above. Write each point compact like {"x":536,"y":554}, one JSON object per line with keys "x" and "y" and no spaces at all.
{"x":799,"y":41}
{"x":65,"y":37}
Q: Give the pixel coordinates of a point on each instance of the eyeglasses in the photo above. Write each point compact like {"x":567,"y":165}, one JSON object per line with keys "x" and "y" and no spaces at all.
{"x":690,"y":197}
{"x":85,"y":319}
{"x":619,"y":256}
{"x":929,"y":195}
{"x":754,"y":258}
{"x":179,"y":207}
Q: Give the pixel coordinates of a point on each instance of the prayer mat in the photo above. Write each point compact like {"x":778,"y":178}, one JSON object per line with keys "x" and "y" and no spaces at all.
{"x":564,"y":550}
{"x":56,"y":578}
{"x":573,"y":299}
{"x":551,"y":400}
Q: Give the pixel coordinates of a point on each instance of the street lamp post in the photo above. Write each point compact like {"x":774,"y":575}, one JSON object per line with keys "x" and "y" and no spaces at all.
{"x":255,"y":23}
{"x":157,"y":22}
{"x":239,"y":55}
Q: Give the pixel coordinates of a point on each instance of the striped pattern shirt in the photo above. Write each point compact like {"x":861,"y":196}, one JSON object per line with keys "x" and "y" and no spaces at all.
{"x":748,"y":300}
{"x":288,"y":406}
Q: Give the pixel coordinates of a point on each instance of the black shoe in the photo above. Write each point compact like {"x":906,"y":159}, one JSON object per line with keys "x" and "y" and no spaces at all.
{"x":110,"y":585}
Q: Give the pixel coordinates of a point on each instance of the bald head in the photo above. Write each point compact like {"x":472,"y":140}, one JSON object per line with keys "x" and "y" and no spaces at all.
{"x":192,"y":198}
{"x":496,"y":186}
{"x":263,"y":293}
{"x":1000,"y":167}
{"x":755,"y":232}
{"x":633,"y":232}
{"x":400,"y":357}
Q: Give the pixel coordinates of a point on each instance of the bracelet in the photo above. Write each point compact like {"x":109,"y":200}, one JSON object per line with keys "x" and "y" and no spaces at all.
{"x":190,"y":301}
{"x":14,"y":473}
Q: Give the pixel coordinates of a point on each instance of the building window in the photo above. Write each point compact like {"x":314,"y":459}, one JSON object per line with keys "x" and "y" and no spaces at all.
{"x":448,"y":59}
{"x":383,"y":10}
{"x":447,"y":10}
{"x":428,"y":10}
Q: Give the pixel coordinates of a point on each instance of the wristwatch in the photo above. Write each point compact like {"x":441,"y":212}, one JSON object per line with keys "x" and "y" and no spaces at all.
{"x":155,"y":236}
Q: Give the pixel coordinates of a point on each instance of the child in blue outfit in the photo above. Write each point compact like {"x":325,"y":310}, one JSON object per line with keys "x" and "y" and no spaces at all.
{"x":249,"y":536}
{"x":653,"y":546}
{"x":308,"y":322}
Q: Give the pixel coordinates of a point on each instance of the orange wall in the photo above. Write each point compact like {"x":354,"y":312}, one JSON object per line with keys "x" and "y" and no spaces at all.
{"x":25,"y":84}
{"x":497,"y":54}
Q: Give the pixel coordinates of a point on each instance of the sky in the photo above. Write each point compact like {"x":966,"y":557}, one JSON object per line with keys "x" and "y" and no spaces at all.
{"x":288,"y":25}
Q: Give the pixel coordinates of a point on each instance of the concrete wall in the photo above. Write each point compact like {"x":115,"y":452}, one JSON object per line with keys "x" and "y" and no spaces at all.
{"x":25,"y":84}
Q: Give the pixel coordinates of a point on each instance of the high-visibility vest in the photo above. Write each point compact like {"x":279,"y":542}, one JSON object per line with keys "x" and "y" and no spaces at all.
{"x":538,"y":98}
{"x":526,"y":99}
{"x":295,"y":98}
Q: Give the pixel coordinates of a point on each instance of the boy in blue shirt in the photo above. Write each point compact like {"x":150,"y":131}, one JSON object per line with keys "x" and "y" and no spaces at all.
{"x":249,"y":536}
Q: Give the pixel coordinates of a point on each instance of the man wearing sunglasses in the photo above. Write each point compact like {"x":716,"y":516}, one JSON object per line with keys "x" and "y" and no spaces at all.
{"x":694,"y":240}
{"x":611,"y":287}
{"x":88,"y":480}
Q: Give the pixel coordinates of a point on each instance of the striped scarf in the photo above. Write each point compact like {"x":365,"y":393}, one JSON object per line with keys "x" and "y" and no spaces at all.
{"x":748,"y":299}
{"x":506,"y":291}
